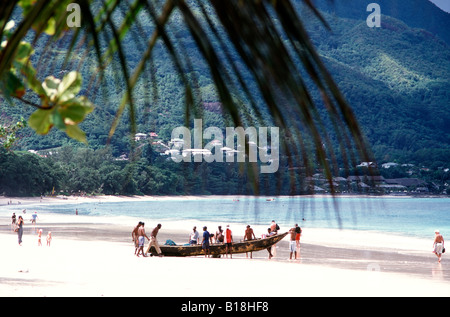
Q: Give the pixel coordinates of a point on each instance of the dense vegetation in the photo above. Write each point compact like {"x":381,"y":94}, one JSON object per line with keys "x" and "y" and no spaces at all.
{"x":87,"y":171}
{"x":396,"y":78}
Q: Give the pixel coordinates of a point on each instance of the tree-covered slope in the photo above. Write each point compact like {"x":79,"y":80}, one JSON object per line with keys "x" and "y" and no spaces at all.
{"x":421,"y":14}
{"x":396,"y":78}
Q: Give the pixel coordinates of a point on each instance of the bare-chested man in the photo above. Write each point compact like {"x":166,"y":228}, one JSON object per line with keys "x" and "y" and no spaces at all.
{"x":292,"y":243}
{"x":141,"y":235}
{"x":438,"y":245}
{"x":249,"y":235}
{"x":135,"y":237}
{"x":154,"y":241}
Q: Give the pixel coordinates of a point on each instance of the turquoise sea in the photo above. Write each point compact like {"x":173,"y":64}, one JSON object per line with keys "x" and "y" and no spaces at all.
{"x":416,"y":217}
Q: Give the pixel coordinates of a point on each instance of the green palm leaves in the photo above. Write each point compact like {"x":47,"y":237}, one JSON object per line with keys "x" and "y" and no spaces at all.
{"x":61,"y":107}
{"x":255,"y":50}
{"x":59,"y":104}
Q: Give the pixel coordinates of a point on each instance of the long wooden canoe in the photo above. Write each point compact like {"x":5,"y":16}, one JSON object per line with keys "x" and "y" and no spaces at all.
{"x":219,"y":248}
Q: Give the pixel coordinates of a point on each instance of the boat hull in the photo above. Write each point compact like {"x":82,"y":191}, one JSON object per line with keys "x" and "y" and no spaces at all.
{"x":218,"y":249}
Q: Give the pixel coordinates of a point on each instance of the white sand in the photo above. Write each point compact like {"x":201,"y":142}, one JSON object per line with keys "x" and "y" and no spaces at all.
{"x":86,"y":267}
{"x":80,"y":268}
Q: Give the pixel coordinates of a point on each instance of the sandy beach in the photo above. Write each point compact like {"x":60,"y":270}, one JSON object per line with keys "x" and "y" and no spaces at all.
{"x":97,"y":259}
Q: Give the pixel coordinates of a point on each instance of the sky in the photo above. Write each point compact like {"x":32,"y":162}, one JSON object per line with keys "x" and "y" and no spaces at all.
{"x":443,"y":4}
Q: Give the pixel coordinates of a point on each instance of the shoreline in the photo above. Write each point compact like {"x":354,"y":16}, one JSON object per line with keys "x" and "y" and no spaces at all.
{"x":93,"y":256}
{"x":118,"y":198}
{"x":100,"y":256}
{"x":91,"y":263}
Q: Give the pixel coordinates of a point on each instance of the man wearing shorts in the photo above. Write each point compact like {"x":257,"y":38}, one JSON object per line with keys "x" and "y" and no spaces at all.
{"x":141,"y":239}
{"x":228,"y":240}
{"x":135,"y":237}
{"x":438,"y":245}
{"x":249,"y":235}
{"x":205,"y":242}
{"x":292,"y":243}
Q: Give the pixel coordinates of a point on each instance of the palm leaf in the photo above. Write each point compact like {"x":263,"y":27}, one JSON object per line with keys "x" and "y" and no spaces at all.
{"x":270,"y":40}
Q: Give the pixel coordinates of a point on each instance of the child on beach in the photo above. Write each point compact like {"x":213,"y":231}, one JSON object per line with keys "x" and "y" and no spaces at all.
{"x":40,"y":237}
{"x":49,"y":238}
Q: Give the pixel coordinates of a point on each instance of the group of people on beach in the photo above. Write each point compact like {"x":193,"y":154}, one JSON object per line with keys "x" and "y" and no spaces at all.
{"x":17,"y":226}
{"x":226,"y":237}
{"x":221,"y":236}
{"x":206,"y":239}
{"x":138,"y":235}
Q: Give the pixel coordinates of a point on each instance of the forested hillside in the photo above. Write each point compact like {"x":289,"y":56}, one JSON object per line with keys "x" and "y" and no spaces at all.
{"x":396,"y":78}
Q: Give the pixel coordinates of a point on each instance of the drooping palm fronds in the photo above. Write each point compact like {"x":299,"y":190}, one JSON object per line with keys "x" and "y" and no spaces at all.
{"x":268,"y":37}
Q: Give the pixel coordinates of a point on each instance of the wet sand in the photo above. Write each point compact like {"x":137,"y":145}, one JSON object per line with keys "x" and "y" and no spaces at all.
{"x":416,"y":263}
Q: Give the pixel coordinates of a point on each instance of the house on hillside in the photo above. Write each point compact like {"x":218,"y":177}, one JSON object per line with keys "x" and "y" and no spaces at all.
{"x":369,"y":179}
{"x":176,"y":142}
{"x":410,"y":184}
{"x":392,"y":188}
{"x":365,"y":183}
{"x":140,"y":136}
{"x":389,"y":165}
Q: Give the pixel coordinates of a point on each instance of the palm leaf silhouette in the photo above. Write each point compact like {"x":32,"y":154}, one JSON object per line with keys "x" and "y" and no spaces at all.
{"x":270,"y":40}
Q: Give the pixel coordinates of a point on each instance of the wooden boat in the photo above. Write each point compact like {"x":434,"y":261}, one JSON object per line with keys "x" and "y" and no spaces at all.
{"x":219,"y":248}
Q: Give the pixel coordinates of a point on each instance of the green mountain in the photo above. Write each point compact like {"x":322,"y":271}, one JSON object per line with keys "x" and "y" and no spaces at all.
{"x":397,"y":80}
{"x":421,"y":14}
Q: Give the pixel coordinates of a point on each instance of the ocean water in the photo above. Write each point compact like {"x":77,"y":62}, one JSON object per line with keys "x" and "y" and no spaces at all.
{"x":416,"y":217}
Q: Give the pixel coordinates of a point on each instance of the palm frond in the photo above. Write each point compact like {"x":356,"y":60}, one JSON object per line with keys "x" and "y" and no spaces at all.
{"x":270,"y":40}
